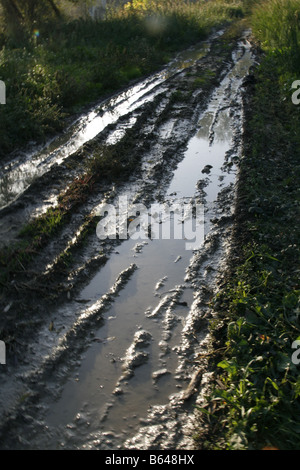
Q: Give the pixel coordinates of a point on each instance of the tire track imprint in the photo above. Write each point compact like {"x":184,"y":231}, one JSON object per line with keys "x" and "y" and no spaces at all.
{"x":118,"y":359}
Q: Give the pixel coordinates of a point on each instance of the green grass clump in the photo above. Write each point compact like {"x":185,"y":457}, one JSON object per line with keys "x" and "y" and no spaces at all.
{"x":203,"y":81}
{"x":276,"y":23}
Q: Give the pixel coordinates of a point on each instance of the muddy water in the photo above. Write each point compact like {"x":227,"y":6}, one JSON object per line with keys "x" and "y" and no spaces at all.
{"x":25,"y":168}
{"x":123,"y":373}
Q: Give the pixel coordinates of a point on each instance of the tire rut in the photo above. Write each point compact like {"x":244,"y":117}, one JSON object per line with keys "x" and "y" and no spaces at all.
{"x":53,"y":304}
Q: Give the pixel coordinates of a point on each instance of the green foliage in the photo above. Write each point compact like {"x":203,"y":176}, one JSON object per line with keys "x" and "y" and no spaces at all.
{"x":44,"y":225}
{"x":276,"y":23}
{"x":203,"y":81}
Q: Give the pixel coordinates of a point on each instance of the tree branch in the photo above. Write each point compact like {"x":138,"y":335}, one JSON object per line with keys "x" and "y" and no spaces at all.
{"x":54,"y":8}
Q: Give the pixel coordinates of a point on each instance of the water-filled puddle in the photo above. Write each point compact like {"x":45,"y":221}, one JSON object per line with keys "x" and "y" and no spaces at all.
{"x":24,"y":169}
{"x":131,"y":312}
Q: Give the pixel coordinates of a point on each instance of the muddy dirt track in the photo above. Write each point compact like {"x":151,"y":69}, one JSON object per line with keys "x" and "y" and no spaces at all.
{"x":108,"y":350}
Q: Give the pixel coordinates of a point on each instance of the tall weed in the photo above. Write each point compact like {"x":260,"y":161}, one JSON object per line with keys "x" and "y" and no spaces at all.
{"x":276,"y":23}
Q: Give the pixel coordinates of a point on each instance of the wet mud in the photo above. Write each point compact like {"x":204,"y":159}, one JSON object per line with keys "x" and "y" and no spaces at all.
{"x":110,"y":351}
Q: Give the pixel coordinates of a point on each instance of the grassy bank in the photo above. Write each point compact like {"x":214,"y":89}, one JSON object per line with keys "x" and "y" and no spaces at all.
{"x":256,"y":403}
{"x":62,"y":65}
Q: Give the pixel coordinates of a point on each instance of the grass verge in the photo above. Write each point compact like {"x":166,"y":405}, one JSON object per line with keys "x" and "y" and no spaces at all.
{"x":255,"y":403}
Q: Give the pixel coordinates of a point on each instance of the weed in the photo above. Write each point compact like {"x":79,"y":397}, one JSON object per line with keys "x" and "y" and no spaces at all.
{"x":276,"y":24}
{"x":206,"y":77}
